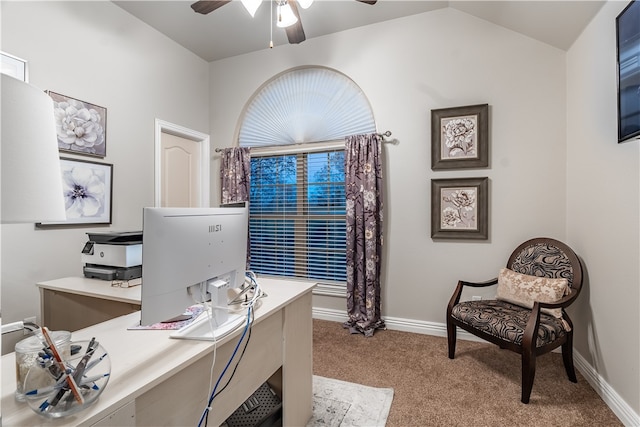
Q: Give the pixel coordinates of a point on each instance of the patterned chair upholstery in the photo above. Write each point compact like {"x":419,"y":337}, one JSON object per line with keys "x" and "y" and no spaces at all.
{"x":527,"y":331}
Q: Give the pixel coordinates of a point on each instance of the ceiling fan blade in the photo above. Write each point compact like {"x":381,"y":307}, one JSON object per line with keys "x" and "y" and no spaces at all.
{"x":208,"y":6}
{"x":368,"y":1}
{"x":295,"y":32}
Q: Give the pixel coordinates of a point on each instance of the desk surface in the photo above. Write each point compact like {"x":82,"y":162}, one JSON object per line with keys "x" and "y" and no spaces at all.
{"x":94,"y":288}
{"x":135,"y":365}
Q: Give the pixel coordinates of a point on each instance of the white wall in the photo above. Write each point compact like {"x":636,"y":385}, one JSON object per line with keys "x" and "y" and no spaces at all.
{"x":555,"y":166}
{"x":603,"y":185}
{"x":96,"y":52}
{"x":540,"y":184}
{"x":407,"y":67}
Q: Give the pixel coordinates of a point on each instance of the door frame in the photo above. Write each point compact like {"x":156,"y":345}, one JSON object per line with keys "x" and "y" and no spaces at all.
{"x":205,"y":160}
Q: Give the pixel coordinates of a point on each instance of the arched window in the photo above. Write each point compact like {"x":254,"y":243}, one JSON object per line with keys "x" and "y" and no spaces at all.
{"x":295,"y":125}
{"x":303,"y":105}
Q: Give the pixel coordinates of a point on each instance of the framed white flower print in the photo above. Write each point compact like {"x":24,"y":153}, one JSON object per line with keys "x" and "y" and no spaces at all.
{"x":87,"y":192}
{"x":459,"y":208}
{"x":460,"y":137}
{"x":81,"y":127}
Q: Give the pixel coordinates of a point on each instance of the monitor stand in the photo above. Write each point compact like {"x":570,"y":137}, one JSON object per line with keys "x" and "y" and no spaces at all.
{"x":200,"y":329}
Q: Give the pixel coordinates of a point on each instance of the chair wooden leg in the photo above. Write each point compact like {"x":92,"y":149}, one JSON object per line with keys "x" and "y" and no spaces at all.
{"x":567,"y":358}
{"x":451,"y":338}
{"x":451,"y":328}
{"x":528,"y":373}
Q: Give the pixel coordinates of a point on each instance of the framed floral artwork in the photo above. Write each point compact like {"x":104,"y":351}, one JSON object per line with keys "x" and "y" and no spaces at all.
{"x":460,"y":137}
{"x":87,"y":192}
{"x":459,"y":208}
{"x":81,"y":127}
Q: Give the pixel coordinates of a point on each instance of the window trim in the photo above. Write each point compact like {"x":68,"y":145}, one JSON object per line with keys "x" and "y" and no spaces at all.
{"x":311,"y":147}
{"x":338,"y":289}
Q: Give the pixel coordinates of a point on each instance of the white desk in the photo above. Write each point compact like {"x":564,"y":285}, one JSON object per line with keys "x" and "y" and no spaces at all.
{"x":74,"y":303}
{"x":159,"y":381}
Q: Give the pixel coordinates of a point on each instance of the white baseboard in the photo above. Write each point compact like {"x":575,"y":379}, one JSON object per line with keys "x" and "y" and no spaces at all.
{"x":610,"y":397}
{"x":329,"y":314}
{"x":606,"y":392}
{"x":397,"y":324}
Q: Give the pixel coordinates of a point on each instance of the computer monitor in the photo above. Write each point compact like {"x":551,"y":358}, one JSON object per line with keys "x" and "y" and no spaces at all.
{"x":188,"y":256}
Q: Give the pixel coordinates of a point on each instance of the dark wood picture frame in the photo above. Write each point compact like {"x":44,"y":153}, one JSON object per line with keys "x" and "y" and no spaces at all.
{"x":459,"y":208}
{"x":460,"y":137}
{"x":88,"y":192}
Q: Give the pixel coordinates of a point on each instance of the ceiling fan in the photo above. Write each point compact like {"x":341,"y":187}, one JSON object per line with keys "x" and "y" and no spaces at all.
{"x":295,"y":32}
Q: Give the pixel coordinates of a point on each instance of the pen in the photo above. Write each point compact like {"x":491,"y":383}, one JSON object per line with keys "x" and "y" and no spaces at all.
{"x":72,"y":384}
{"x":48,"y":389}
{"x":44,"y":405}
{"x":94,"y":362}
{"x":88,"y":380}
{"x":82,"y":365}
{"x":60,"y":384}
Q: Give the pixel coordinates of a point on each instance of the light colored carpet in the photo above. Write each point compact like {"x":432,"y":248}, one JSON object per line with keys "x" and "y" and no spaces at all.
{"x":342,"y":404}
{"x":479,"y":388}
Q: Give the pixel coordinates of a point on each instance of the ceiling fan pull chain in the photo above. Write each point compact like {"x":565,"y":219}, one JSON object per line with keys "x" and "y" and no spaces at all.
{"x":271,"y":26}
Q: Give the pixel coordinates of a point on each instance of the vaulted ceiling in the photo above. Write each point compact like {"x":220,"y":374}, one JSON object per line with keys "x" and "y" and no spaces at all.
{"x":230,"y":30}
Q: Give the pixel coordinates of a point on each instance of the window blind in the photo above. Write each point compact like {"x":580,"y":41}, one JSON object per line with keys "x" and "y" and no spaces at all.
{"x":297,"y":215}
{"x":305,"y":105}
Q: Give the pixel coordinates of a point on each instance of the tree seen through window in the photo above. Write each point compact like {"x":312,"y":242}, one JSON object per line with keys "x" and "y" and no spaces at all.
{"x":297,"y":215}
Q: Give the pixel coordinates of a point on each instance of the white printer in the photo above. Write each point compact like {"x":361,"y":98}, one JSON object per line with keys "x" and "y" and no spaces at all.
{"x":113,"y":255}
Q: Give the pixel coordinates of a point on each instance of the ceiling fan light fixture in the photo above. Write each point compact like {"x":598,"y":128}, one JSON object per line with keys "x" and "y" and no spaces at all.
{"x":305,"y":3}
{"x":251,"y":6}
{"x":285,"y":15}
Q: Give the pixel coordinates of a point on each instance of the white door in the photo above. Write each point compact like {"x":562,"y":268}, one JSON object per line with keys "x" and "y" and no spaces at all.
{"x":182,"y":167}
{"x":180,"y":158}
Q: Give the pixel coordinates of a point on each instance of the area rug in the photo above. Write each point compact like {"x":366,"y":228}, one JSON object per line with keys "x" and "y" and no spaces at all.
{"x":342,"y":404}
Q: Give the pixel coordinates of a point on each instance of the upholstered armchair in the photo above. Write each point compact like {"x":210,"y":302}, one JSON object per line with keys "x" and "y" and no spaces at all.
{"x":543,"y":276}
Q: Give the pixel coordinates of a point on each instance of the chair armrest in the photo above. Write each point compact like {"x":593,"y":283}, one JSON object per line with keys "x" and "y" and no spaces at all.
{"x":531,"y":330}
{"x":455,"y":298}
{"x":493,"y":281}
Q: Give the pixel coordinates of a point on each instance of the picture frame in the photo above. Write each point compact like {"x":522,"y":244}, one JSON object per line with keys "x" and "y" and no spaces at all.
{"x":87,"y":190}
{"x":460,"y":137}
{"x":14,"y":67}
{"x":628,"y":72}
{"x":81,"y":126}
{"x":459,"y":208}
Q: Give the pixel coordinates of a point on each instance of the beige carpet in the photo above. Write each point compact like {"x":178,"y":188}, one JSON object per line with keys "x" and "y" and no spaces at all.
{"x":480,"y":387}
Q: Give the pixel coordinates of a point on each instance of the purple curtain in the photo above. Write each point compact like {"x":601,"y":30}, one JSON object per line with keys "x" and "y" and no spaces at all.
{"x":363,"y":180}
{"x":235,"y":177}
{"x":235,"y":174}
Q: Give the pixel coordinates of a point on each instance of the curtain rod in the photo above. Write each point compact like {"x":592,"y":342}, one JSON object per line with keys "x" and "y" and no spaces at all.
{"x":383,"y":135}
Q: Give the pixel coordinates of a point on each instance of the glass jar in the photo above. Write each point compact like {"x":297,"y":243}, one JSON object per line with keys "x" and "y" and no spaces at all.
{"x":27,"y":352}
